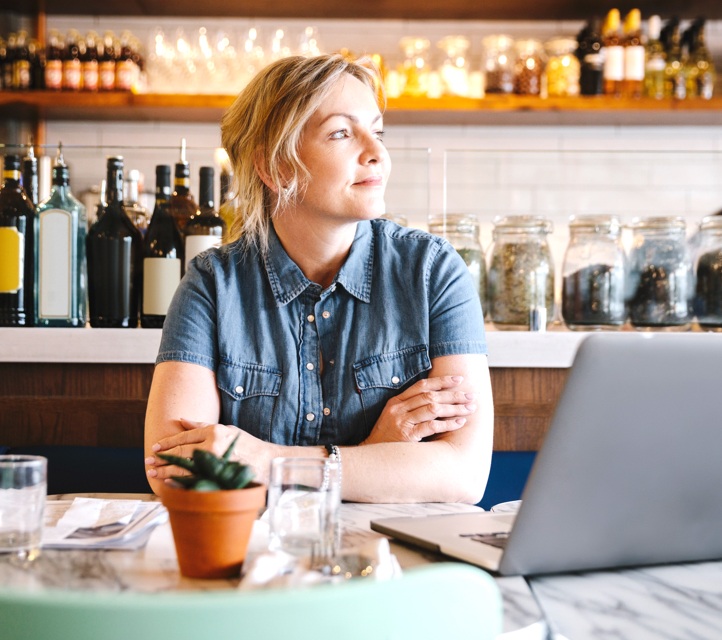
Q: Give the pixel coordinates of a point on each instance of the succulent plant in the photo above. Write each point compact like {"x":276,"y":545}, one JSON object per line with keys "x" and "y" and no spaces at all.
{"x":210,"y":472}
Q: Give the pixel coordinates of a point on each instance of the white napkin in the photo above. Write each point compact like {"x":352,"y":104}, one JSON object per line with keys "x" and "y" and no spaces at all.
{"x":90,"y":513}
{"x":372,"y":560}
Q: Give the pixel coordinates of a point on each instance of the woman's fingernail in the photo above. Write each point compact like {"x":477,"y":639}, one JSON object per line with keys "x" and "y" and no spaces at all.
{"x":460,"y":421}
{"x":457,"y":379}
{"x":155,"y":447}
{"x":149,"y":460}
{"x":470,"y":396}
{"x":152,"y":473}
{"x":471,"y":407}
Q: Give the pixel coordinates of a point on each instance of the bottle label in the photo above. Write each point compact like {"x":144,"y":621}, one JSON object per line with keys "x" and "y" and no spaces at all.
{"x":90,"y":75}
{"x":72,"y":74}
{"x":54,"y":74}
{"x":124,"y":75}
{"x":634,"y":63}
{"x":21,"y":78}
{"x":12,"y":259}
{"x":55,"y":264}
{"x":656,"y":65}
{"x":107,"y":75}
{"x":614,"y":63}
{"x":160,"y":280}
{"x":196,"y":244}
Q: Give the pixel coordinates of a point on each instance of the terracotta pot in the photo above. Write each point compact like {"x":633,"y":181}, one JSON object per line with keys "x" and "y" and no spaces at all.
{"x":211,"y":529}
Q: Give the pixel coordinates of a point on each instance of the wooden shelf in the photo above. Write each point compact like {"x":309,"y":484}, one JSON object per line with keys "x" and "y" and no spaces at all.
{"x":496,"y":109}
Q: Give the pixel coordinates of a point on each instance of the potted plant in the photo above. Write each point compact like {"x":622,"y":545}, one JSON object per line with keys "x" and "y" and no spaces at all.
{"x":212,"y":512}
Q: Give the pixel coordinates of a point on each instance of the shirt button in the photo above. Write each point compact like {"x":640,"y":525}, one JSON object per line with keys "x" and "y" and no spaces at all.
{"x":310,"y":417}
{"x":326,"y":411}
{"x":309,"y":366}
{"x":239,"y":389}
{"x":332,"y":362}
{"x":326,"y":314}
{"x":310,"y":317}
{"x":395,"y":379}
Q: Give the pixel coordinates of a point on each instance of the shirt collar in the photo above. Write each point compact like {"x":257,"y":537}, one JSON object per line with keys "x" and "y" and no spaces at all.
{"x":288,"y":281}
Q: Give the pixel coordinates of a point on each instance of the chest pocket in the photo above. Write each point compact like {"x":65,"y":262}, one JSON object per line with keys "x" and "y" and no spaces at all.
{"x":249,"y":395}
{"x":381,"y":377}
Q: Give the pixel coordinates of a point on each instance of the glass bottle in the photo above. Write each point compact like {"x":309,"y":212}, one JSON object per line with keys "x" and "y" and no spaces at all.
{"x":521,"y":274}
{"x":701,"y":72}
{"x":162,"y":255}
{"x":415,"y":66}
{"x":454,"y":69}
{"x":89,"y":63}
{"x":675,"y":82}
{"x":21,"y":63}
{"x":72,"y":69}
{"x":593,"y":274}
{"x":656,"y":60}
{"x":37,"y":65}
{"x":106,"y":65}
{"x":30,"y":176}
{"x":634,"y":55}
{"x":660,"y":282}
{"x":205,"y":229}
{"x":124,"y":64}
{"x":60,"y":281}
{"x":563,"y":68}
{"x":462,"y":232}
{"x":528,"y":67}
{"x":182,"y":204}
{"x":591,"y":59}
{"x":114,"y":252}
{"x":17,"y":249}
{"x":137,"y":212}
{"x":498,"y":64}
{"x":8,"y":69}
{"x":54,"y":62}
{"x":708,"y":272}
{"x":613,"y":54}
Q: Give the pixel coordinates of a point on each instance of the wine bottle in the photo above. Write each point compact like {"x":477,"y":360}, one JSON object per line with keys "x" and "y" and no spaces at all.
{"x":60,"y":275}
{"x":182,"y":204}
{"x":206,"y":228}
{"x":114,"y":250}
{"x":613,"y":54}
{"x":591,"y":58}
{"x":675,"y":81}
{"x":17,"y":249}
{"x":30,"y":176}
{"x":656,"y":60}
{"x":634,"y":55}
{"x":136,"y":211}
{"x":701,"y":71}
{"x":162,"y":255}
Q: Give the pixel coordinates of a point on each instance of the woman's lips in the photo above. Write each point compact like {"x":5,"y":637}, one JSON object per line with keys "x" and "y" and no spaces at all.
{"x":371,"y":181}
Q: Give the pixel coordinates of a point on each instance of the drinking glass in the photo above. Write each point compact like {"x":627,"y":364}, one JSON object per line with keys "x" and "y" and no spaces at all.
{"x":304,"y":496}
{"x":23,"y":489}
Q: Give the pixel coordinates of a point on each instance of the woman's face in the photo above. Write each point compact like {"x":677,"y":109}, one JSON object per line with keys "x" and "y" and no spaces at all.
{"x":343,"y":150}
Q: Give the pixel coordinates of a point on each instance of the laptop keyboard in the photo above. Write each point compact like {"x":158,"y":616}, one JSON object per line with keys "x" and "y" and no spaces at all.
{"x":497,"y":539}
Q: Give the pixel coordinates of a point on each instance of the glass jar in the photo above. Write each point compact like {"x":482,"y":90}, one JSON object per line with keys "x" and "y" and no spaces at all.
{"x":528,"y":67}
{"x":660,"y":281}
{"x":562,"y":70}
{"x":593,"y":274}
{"x":521,"y":274}
{"x":708,"y":270}
{"x":415,"y":66}
{"x":498,"y":64}
{"x":454,"y":69}
{"x":462,"y":232}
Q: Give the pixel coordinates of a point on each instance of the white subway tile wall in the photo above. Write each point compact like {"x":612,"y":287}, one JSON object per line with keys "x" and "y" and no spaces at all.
{"x":556,"y":171}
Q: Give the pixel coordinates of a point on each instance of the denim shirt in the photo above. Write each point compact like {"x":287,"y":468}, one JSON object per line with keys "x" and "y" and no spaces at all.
{"x":402,"y":298}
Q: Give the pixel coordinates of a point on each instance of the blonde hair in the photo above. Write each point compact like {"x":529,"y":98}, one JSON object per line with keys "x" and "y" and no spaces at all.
{"x":263,"y":127}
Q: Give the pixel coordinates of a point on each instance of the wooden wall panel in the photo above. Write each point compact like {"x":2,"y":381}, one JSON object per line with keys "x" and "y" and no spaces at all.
{"x":104,"y":404}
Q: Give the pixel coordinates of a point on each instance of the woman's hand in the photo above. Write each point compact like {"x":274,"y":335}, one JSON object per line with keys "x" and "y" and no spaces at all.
{"x":427,"y":407}
{"x":215,"y":438}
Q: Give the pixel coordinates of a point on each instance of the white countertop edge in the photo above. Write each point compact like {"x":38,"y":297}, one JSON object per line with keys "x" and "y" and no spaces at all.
{"x":552,"y":349}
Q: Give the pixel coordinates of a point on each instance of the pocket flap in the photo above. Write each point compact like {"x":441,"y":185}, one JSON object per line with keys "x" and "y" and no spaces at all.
{"x":242,"y":380}
{"x":392,"y":370}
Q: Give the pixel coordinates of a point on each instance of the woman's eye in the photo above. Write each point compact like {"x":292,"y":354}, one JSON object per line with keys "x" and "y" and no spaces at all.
{"x":380,"y":134}
{"x":340,"y":134}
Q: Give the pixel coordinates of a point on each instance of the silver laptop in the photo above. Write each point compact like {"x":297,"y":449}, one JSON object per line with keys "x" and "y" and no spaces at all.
{"x":630,"y":471}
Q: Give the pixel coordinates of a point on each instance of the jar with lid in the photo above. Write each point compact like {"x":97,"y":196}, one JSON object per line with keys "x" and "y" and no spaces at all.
{"x":528,"y":67}
{"x":498,"y":64}
{"x":593,"y":274}
{"x":708,"y":270}
{"x":660,"y":282}
{"x":462,"y":232}
{"x":454,"y":69}
{"x":521,"y":273}
{"x":563,"y":68}
{"x":415,"y":66}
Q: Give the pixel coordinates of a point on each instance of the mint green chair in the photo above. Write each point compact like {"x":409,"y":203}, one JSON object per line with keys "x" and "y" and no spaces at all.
{"x":431,"y":602}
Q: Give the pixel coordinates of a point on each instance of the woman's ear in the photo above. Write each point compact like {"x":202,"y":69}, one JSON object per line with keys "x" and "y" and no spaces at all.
{"x":259,"y":164}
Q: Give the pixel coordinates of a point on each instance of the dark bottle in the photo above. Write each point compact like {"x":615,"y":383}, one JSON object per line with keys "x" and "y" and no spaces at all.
{"x":206,"y":228}
{"x":72,"y":66}
{"x":89,"y":62}
{"x":21,"y":63}
{"x":54,"y":62}
{"x":106,"y":66}
{"x":3,"y":55}
{"x":17,"y":249}
{"x":182,"y":204}
{"x":162,"y":255}
{"x":9,"y":62}
{"x":124,"y":65}
{"x":114,"y":253}
{"x":591,"y":59}
{"x":30,"y":176}
{"x":60,"y":268}
{"x":37,"y":65}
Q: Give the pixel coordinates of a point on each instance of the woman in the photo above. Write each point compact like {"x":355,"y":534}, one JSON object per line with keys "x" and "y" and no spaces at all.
{"x":319,"y":324}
